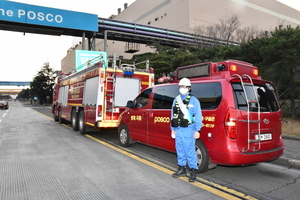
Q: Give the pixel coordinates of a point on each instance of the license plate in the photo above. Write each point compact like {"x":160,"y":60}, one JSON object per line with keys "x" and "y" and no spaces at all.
{"x":264,"y":137}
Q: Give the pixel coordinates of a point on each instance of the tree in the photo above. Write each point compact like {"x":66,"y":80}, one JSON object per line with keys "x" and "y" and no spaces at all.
{"x":282,"y":59}
{"x":228,"y":26}
{"x":277,"y":55}
{"x":248,"y":33}
{"x":24,"y":94}
{"x":228,"y":29}
{"x":42,"y":83}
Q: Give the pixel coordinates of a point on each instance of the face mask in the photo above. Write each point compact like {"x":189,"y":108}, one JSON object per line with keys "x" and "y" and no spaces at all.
{"x":183,"y":91}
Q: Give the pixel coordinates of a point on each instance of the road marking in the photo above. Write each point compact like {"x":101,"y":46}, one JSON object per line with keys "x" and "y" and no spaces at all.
{"x":216,"y":189}
{"x":4,"y":115}
{"x":211,"y":187}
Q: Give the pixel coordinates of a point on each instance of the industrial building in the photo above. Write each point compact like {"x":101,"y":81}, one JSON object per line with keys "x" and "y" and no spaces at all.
{"x":186,"y":15}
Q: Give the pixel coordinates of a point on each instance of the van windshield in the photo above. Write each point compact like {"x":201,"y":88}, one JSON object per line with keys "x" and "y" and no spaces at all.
{"x":260,"y":97}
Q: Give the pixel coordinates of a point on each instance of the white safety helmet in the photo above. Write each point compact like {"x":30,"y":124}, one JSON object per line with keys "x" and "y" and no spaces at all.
{"x":185,"y":82}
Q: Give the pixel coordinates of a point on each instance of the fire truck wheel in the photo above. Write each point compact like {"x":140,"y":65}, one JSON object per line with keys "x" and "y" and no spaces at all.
{"x":55,"y":117}
{"x":81,"y":124}
{"x":202,"y":156}
{"x":60,"y":119}
{"x":124,"y":136}
{"x":74,"y":120}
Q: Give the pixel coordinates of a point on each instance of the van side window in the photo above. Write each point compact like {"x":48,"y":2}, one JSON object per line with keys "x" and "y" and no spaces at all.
{"x":209,"y":94}
{"x":143,"y":99}
{"x":164,"y":96}
{"x":265,"y":98}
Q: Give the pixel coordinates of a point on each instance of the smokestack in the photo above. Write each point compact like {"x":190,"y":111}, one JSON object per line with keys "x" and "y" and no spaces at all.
{"x":119,"y":10}
{"x":125,"y":5}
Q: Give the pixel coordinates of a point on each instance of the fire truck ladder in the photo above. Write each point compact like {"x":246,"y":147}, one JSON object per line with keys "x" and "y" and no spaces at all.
{"x":110,"y":91}
{"x":249,"y":102}
{"x":110,"y":81}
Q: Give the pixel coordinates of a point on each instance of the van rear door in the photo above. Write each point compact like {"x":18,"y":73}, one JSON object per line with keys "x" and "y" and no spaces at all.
{"x":258,"y":117}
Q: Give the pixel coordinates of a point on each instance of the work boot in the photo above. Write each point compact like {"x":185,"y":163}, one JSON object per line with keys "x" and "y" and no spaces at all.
{"x":193,"y":175}
{"x":181,"y":172}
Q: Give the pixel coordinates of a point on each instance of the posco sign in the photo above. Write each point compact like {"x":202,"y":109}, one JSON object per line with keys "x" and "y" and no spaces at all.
{"x":30,"y":14}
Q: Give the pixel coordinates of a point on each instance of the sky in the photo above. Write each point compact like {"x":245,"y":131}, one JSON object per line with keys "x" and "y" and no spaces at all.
{"x":23,"y":55}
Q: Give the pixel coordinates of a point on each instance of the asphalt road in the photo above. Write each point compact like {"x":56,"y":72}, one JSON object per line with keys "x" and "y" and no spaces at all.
{"x":261,"y":181}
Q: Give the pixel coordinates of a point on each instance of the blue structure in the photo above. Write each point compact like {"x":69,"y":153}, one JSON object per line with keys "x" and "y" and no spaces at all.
{"x":42,"y":20}
{"x":43,"y":16}
{"x":15,"y":83}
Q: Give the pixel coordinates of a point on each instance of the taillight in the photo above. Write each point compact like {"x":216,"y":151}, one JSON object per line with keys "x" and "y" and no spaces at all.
{"x":230,"y":123}
{"x":152,"y":80}
{"x":99,"y":111}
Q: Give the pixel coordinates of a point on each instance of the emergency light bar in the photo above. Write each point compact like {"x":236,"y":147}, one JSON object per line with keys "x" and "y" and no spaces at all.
{"x":233,"y":68}
{"x":255,"y":72}
{"x":128,"y":70}
{"x":193,"y":71}
{"x":209,"y":70}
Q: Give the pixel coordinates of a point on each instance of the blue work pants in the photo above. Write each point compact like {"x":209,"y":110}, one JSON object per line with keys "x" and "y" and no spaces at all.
{"x":185,"y":147}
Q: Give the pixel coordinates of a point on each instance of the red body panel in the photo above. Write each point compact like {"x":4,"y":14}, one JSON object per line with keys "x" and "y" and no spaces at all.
{"x":105,"y":93}
{"x":152,"y":126}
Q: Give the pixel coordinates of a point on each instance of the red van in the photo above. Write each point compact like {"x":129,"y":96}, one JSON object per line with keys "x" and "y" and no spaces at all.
{"x":241,"y":115}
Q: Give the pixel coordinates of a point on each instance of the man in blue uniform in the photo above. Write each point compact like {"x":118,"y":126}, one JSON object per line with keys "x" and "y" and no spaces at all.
{"x":185,"y":126}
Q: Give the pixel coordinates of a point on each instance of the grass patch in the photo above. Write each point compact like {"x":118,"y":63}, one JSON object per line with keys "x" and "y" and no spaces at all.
{"x":291,"y":127}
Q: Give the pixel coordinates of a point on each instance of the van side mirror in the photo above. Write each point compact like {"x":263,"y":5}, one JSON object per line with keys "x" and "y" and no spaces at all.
{"x":129,"y":104}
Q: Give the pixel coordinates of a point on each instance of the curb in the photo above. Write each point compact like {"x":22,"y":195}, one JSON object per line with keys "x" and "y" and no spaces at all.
{"x":287,"y":162}
{"x":291,"y":138}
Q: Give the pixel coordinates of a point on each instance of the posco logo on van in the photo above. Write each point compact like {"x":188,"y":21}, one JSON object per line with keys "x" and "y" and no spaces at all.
{"x":161,"y":119}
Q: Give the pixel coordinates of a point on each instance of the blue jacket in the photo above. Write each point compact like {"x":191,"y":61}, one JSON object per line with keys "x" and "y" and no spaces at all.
{"x":195,"y":110}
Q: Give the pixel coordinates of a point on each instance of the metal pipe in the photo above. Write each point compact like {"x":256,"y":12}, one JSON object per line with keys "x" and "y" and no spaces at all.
{"x":167,"y":35}
{"x":135,"y":27}
{"x":83,"y":41}
{"x":105,"y":41}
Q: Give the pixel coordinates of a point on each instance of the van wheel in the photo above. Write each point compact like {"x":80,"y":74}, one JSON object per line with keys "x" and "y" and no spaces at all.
{"x":124,"y":136}
{"x":60,"y":119}
{"x":81,"y":124}
{"x":74,"y":120}
{"x":202,"y":156}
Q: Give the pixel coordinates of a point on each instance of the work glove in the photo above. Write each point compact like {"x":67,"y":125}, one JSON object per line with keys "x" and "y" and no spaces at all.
{"x":173,"y":134}
{"x":197,"y":135}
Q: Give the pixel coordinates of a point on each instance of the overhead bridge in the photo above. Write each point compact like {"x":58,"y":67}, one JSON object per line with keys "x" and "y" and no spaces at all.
{"x":93,"y":27}
{"x":10,"y":91}
{"x":110,"y":29}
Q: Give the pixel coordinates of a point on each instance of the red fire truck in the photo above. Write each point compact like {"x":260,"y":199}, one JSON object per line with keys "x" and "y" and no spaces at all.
{"x":95,"y":96}
{"x":241,"y":115}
